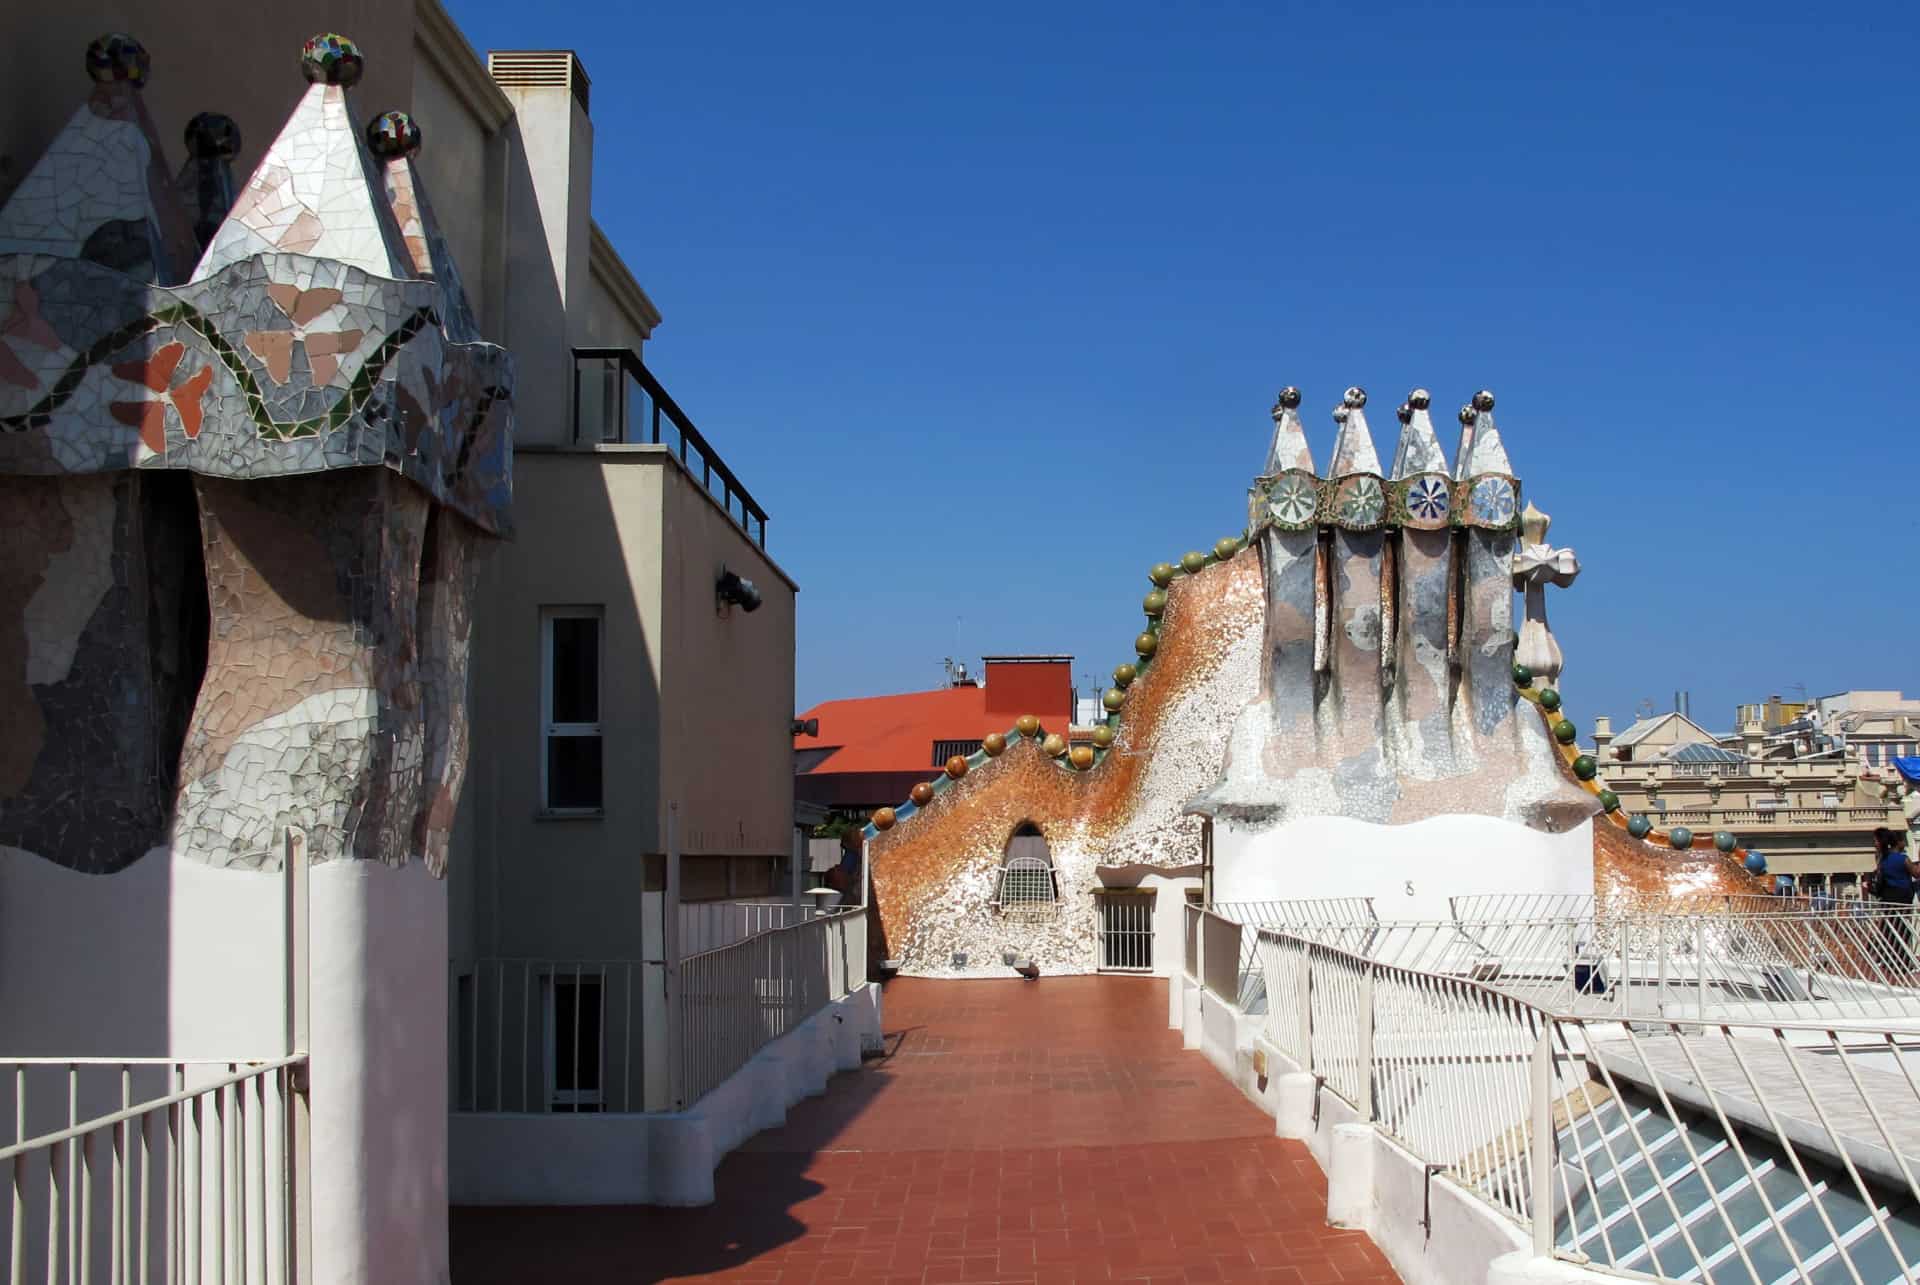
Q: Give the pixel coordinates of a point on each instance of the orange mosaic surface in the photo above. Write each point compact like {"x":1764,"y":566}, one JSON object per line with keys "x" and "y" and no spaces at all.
{"x":964,"y":829}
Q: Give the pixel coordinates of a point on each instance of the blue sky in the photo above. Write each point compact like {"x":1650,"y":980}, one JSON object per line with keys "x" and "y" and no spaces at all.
{"x":987,"y":303}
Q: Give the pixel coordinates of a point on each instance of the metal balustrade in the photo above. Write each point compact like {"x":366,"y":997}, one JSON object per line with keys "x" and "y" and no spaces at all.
{"x":146,"y":1169}
{"x":617,"y":400}
{"x":735,"y":1000}
{"x":1669,"y":1147}
{"x":709,"y":925}
{"x":563,"y":1036}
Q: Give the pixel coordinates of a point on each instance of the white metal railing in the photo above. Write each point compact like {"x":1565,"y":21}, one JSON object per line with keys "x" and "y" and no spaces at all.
{"x":1723,"y":1151}
{"x":1321,"y":914}
{"x":1740,"y":960}
{"x":562,"y":1036}
{"x":709,"y":925}
{"x":168,"y":1169}
{"x":737,"y":999}
{"x":145,"y":1170}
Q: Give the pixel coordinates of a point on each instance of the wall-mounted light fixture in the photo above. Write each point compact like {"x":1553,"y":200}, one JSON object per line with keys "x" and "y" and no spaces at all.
{"x":734,"y":590}
{"x":806,"y":727}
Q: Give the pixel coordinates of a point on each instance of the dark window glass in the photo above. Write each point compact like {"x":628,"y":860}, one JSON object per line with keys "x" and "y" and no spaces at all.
{"x":573,"y":771}
{"x":576,"y":669}
{"x":576,"y":1039}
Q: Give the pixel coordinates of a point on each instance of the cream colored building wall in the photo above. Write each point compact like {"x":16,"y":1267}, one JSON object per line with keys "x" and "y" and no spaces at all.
{"x":589,"y":535}
{"x":462,"y":160}
{"x":239,"y":59}
{"x":728,"y":691}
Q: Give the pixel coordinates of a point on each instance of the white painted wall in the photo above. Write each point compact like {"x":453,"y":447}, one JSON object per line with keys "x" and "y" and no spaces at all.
{"x":1167,"y":923}
{"x":172,"y":958}
{"x":379,"y":1097}
{"x":1409,"y":870}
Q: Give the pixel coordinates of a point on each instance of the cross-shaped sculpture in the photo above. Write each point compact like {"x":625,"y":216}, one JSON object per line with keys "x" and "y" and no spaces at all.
{"x":1535,"y":566}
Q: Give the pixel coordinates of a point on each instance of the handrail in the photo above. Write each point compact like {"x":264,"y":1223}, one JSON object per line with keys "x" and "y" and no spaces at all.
{"x":84,"y":1127}
{"x":1587,"y":1129}
{"x":663,"y":402}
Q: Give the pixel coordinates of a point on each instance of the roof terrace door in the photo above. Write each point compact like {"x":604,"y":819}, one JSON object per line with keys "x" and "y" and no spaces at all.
{"x":1126,"y":930}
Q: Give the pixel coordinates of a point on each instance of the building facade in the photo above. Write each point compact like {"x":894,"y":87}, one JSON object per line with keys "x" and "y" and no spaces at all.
{"x":1798,"y":782}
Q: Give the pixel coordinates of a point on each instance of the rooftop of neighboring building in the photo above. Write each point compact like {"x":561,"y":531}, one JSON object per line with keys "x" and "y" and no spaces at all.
{"x":908,"y":731}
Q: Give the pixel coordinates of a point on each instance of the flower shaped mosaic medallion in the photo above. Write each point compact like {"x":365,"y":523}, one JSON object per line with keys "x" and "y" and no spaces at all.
{"x":1493,"y":500}
{"x":1428,"y":499}
{"x":1362,"y":502}
{"x":1294,"y":500}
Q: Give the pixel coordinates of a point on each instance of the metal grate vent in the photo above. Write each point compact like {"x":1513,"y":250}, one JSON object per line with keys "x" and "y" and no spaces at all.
{"x":539,"y":69}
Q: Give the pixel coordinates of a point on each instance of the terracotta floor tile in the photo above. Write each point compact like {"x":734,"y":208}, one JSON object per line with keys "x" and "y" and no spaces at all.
{"x":1049,"y":1132}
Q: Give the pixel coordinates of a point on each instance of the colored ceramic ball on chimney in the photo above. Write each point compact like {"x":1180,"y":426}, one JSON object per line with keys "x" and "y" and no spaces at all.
{"x":1725,"y":841}
{"x":1123,"y":675}
{"x":1113,"y":700}
{"x":1027,"y":725}
{"x":1081,"y":756}
{"x":957,"y":766}
{"x":1054,"y":746}
{"x":1193,"y":563}
{"x":1226,"y":548}
{"x":1161,"y":574}
{"x":1638,"y":826}
{"x":1146,"y":644}
{"x":883,"y":818}
{"x":1154,"y":603}
{"x":994,"y":743}
{"x":921,"y":794}
{"x":1103,"y":736}
{"x":1680,"y":837}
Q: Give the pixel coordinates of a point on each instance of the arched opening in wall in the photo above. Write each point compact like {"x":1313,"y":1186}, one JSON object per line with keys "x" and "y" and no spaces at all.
{"x":1027,"y":882}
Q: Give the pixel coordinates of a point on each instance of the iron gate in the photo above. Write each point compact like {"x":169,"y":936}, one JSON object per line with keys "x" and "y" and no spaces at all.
{"x":1126,"y":931}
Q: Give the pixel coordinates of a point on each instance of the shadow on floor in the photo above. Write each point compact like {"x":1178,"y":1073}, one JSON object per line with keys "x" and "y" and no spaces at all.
{"x":757,"y":1188}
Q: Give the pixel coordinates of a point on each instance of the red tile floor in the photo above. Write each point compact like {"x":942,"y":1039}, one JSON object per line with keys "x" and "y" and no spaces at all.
{"x":1016,"y":1131}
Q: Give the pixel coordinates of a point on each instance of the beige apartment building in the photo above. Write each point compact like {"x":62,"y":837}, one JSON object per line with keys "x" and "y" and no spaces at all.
{"x":631,"y":682}
{"x":1799,"y":781}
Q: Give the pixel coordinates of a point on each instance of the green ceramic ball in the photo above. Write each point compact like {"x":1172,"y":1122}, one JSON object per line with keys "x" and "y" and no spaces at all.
{"x":1146,"y":644}
{"x":1549,"y":699}
{"x":1638,"y":826}
{"x":1161,"y":574}
{"x":1609,"y":801}
{"x":1123,"y":675}
{"x":1224,"y":549}
{"x":1113,"y":700}
{"x":1725,"y":840}
{"x":1522,"y":676}
{"x":1680,"y":837}
{"x":1154,"y":603}
{"x":1565,"y":732}
{"x":1585,"y":768}
{"x":1193,"y":563}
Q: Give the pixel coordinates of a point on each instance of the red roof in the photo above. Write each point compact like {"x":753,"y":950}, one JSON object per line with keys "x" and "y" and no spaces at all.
{"x":896,"y":733}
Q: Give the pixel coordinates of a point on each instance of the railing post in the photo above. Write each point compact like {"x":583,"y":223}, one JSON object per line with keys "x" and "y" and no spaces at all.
{"x":670,"y":938}
{"x":1306,"y":1007}
{"x":1366,"y":1043}
{"x":299,"y":1186}
{"x":1200,"y":949}
{"x":1660,"y":995}
{"x":1540,"y":1189}
{"x":1700,"y":961}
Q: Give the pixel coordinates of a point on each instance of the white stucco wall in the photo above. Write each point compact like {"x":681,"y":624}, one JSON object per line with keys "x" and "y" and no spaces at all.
{"x":1409,"y":870}
{"x":172,"y":958}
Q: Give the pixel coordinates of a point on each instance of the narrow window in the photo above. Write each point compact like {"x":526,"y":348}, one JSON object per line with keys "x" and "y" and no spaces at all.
{"x":1026,"y":876}
{"x":573,"y":1012}
{"x":570,"y":777}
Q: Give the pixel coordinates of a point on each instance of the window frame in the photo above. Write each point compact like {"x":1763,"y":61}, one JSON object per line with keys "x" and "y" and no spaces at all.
{"x":549,"y":729}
